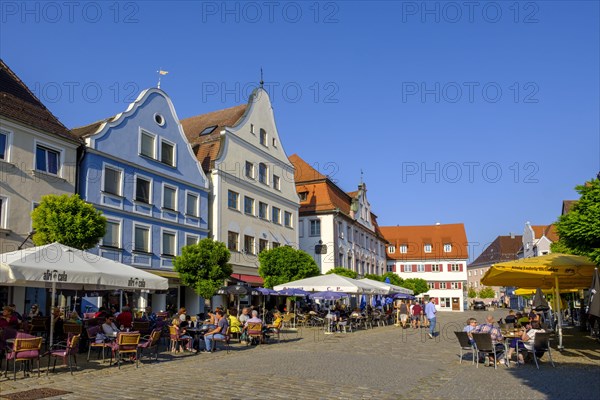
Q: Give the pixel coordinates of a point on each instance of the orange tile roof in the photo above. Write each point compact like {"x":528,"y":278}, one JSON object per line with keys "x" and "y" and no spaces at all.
{"x":416,"y":237}
{"x":207,"y":146}
{"x":303,"y":171}
{"x":545,"y":230}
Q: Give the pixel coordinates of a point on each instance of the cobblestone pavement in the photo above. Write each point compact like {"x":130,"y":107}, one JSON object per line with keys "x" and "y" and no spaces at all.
{"x":381,"y":363}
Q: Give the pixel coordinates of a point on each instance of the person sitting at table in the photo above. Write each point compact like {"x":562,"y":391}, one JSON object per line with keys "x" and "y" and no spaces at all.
{"x":74,"y":318}
{"x":497,"y":338}
{"x":34,"y":312}
{"x":526,"y":340}
{"x":109,"y":330}
{"x":125,"y":318}
{"x":181,"y":314}
{"x":8,"y":320}
{"x":254,"y":319}
{"x":471,"y":324}
{"x":150,"y":317}
{"x":219,"y":332}
{"x":522,"y":319}
{"x":510,"y":318}
{"x":276,"y":322}
{"x":183,"y":335}
{"x":59,"y":331}
{"x":16,"y":313}
{"x":245,"y":315}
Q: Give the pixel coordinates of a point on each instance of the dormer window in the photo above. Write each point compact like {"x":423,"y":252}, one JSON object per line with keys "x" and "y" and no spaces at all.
{"x":208,"y":130}
{"x":303,"y":196}
{"x":448,"y":248}
{"x":391,"y":249}
{"x":427,"y":248}
{"x":403,"y":249}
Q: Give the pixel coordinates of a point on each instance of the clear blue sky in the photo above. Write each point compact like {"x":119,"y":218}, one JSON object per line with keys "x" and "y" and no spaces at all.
{"x":485,"y":114}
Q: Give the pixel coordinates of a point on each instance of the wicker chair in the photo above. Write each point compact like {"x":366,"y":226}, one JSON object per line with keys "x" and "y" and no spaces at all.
{"x":66,"y":353}
{"x":126,"y":343}
{"x":24,"y":349}
{"x":150,"y":342}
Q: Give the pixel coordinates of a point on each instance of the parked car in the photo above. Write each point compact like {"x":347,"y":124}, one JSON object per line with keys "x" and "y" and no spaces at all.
{"x":479,"y":305}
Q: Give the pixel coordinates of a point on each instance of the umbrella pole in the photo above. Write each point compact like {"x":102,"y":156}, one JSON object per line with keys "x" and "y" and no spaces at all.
{"x":559,"y":313}
{"x":52,"y":312}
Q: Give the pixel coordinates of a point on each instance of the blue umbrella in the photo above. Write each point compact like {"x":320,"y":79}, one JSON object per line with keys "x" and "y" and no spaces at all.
{"x":327,"y":295}
{"x":363,"y":302}
{"x":264,"y":291}
{"x":404,"y":296}
{"x":293,"y":292}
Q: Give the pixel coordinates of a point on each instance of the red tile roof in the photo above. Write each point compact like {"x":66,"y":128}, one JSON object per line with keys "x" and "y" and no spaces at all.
{"x":503,"y":248}
{"x":18,"y":103}
{"x":416,"y":237}
{"x":207,"y":146}
{"x":545,"y":230}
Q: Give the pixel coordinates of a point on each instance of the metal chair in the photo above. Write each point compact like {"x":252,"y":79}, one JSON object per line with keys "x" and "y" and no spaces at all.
{"x":226,"y":339}
{"x":465,"y":344}
{"x":92,"y":332}
{"x":541,"y":343}
{"x":176,"y":340}
{"x":484,"y":344}
{"x":73,"y":329}
{"x":254,"y":331}
{"x":24,"y":349}
{"x":149,"y":343}
{"x":126,"y":343}
{"x":66,"y":353}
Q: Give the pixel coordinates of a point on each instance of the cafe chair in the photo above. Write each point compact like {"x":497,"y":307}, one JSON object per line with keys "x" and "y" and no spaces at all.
{"x":73,"y":329}
{"x":92,"y":331}
{"x":150,"y":343}
{"x":142,"y":327}
{"x":126,"y":344}
{"x":484,"y":344}
{"x":541,"y":344}
{"x":24,"y":350}
{"x":66,"y":352}
{"x":254,"y":331}
{"x":226,"y":339}
{"x":465,"y":344}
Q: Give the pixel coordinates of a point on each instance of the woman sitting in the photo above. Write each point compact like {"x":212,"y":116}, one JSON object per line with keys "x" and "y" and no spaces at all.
{"x":525,"y":341}
{"x":182,"y":336}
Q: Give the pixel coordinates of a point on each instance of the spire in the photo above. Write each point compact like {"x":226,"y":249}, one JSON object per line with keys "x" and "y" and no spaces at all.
{"x":160,"y":72}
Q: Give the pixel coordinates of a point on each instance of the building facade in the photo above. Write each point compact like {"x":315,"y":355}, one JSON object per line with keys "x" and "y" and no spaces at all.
{"x":38,"y":156}
{"x":436,"y":253}
{"x":337,"y":228}
{"x":140,"y":171}
{"x":253,"y":203}
{"x":537,"y":240}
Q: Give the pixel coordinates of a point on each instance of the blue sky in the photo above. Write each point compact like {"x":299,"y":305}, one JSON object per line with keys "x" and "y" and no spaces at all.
{"x":485,"y":114}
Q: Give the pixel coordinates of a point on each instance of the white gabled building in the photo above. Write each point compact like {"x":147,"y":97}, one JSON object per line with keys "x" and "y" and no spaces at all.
{"x":436,"y":253}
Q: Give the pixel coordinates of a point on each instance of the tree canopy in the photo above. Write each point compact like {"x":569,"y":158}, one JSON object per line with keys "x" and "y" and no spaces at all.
{"x":343,"y":272}
{"x":285,"y":264}
{"x":487,"y":293}
{"x":417,"y":285}
{"x":204,"y":266}
{"x":472,"y":293}
{"x":579,"y":229}
{"x":67,"y":220}
{"x":394,"y":278}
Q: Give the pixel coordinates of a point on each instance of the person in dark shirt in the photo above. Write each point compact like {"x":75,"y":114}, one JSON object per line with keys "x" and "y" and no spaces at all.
{"x":510,"y":318}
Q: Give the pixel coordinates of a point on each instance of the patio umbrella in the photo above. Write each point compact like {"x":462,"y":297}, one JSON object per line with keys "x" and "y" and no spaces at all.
{"x":529,"y":292}
{"x":556,"y":270}
{"x":327,"y":295}
{"x":539,"y":302}
{"x":595,"y":295}
{"x":235,"y":290}
{"x":332,"y":282}
{"x":264,"y":292}
{"x":386,"y":286}
{"x":403,"y":296}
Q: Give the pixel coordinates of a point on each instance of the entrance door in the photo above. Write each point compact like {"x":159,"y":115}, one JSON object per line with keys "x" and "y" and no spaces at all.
{"x":456,"y":304}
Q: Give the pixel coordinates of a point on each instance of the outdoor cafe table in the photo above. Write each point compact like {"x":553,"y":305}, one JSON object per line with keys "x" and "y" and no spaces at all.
{"x":197,"y":333}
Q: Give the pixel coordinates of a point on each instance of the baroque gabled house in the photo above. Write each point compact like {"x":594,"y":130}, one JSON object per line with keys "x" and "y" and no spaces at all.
{"x":436,"y":253}
{"x":38,"y":156}
{"x":537,"y":240}
{"x":140,"y":171}
{"x":335,"y":227}
{"x":253,"y":203}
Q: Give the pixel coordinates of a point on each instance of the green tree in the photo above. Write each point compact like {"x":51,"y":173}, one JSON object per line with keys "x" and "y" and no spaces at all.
{"x":285,"y":264}
{"x":472,"y":293}
{"x":417,"y":285}
{"x":394,"y":278}
{"x":343,"y":272}
{"x":579,"y":229}
{"x":374,"y":277}
{"x":204,"y":266}
{"x":67,"y":220}
{"x":487,"y":293}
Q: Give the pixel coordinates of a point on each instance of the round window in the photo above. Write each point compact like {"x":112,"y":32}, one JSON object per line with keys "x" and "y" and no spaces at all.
{"x":159,"y":119}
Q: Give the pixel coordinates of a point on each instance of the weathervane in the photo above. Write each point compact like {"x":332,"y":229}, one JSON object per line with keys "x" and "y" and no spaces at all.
{"x":160,"y":72}
{"x":262,"y":82}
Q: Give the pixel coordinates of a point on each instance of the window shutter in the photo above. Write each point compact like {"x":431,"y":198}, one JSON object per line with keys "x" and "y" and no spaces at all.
{"x":427,"y":267}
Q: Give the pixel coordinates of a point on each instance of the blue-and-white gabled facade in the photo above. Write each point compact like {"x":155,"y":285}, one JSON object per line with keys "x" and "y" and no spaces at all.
{"x":140,"y":171}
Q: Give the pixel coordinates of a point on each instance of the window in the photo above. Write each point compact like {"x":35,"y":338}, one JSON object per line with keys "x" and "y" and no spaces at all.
{"x":301,"y":228}
{"x":436,"y":268}
{"x":315,"y":227}
{"x":276,"y":183}
{"x":142,"y":190}
{"x":454,"y":285}
{"x":262,"y":244}
{"x":420,"y":268}
{"x":447,"y":248}
{"x":287,"y":219}
{"x":391,"y":249}
{"x":169,"y":198}
{"x":112,"y":236}
{"x":47,"y":160}
{"x":167,"y":153}
{"x":444,"y":302}
{"x":112,"y":180}
{"x":147,"y":145}
{"x":249,"y":244}
{"x":262,"y":210}
{"x":191,"y":239}
{"x":390,"y":268}
{"x":469,"y":272}
{"x":275,"y":245}
{"x":303,"y":196}
{"x":403,"y":249}
{"x":455,"y":267}
{"x":427,"y":248}
{"x":340,"y":228}
{"x":349,"y":233}
{"x":248,"y":205}
{"x":252,"y":129}
{"x":168,"y":243}
{"x":262,"y":173}
{"x":275,"y":215}
{"x":141,"y":239}
{"x":263,"y":137}
{"x":3,"y":145}
{"x":191,"y":204}
{"x":232,"y":241}
{"x":249,"y":170}
{"x":442,"y":285}
{"x":274,"y":141}
{"x":232,"y":199}
{"x":3,"y":211}
{"x":431,"y":285}
{"x":407,"y":268}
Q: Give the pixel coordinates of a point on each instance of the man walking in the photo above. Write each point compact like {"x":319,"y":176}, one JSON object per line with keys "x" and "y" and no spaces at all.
{"x":430,"y":312}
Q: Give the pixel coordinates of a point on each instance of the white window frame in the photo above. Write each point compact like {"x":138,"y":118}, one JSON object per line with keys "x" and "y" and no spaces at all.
{"x":51,"y":147}
{"x":120,"y":184}
{"x":403,"y":249}
{"x":263,"y":178}
{"x":445,"y":302}
{"x":189,"y":194}
{"x":436,"y":267}
{"x":4,"y":212}
{"x":407,"y":268}
{"x":453,"y":285}
{"x":391,"y":249}
{"x":150,"y":188}
{"x":302,"y":196}
{"x":145,"y":226}
{"x":266,"y":213}
{"x":252,"y":211}
{"x":174,"y":149}
{"x":443,"y":285}
{"x":431,"y":285}
{"x":427,"y":248}
{"x":454,"y":267}
{"x":164,"y":232}
{"x":276,"y":182}
{"x":119,"y":223}
{"x":237,"y":241}
{"x":266,"y":247}
{"x":252,"y":250}
{"x":317,"y":224}
{"x":420,"y":267}
{"x":263,"y":137}
{"x":237,"y":200}
{"x":276,"y":219}
{"x":252,"y":129}
{"x":195,"y":238}
{"x":447,"y":247}
{"x":250,"y":170}
{"x":288,"y":219}
{"x":175,"y":200}
{"x":154,"y":137}
{"x":8,"y":149}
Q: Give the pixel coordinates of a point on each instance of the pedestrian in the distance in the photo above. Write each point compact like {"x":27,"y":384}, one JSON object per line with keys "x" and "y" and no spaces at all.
{"x":430,"y":312}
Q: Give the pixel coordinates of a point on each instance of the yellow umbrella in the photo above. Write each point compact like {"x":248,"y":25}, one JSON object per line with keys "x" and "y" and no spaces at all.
{"x":557,"y":271}
{"x":529,"y":292}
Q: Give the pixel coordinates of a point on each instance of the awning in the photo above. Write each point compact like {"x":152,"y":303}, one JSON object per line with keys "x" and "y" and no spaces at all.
{"x":248,"y":278}
{"x":164,"y":274}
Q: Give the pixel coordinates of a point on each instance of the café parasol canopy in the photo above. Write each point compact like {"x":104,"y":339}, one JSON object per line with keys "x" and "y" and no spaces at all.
{"x":552,"y":271}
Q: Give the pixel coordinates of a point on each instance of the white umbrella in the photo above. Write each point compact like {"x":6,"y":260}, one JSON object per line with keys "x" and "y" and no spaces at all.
{"x":387,"y":286}
{"x":333,"y":283}
{"x":57,"y":266}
